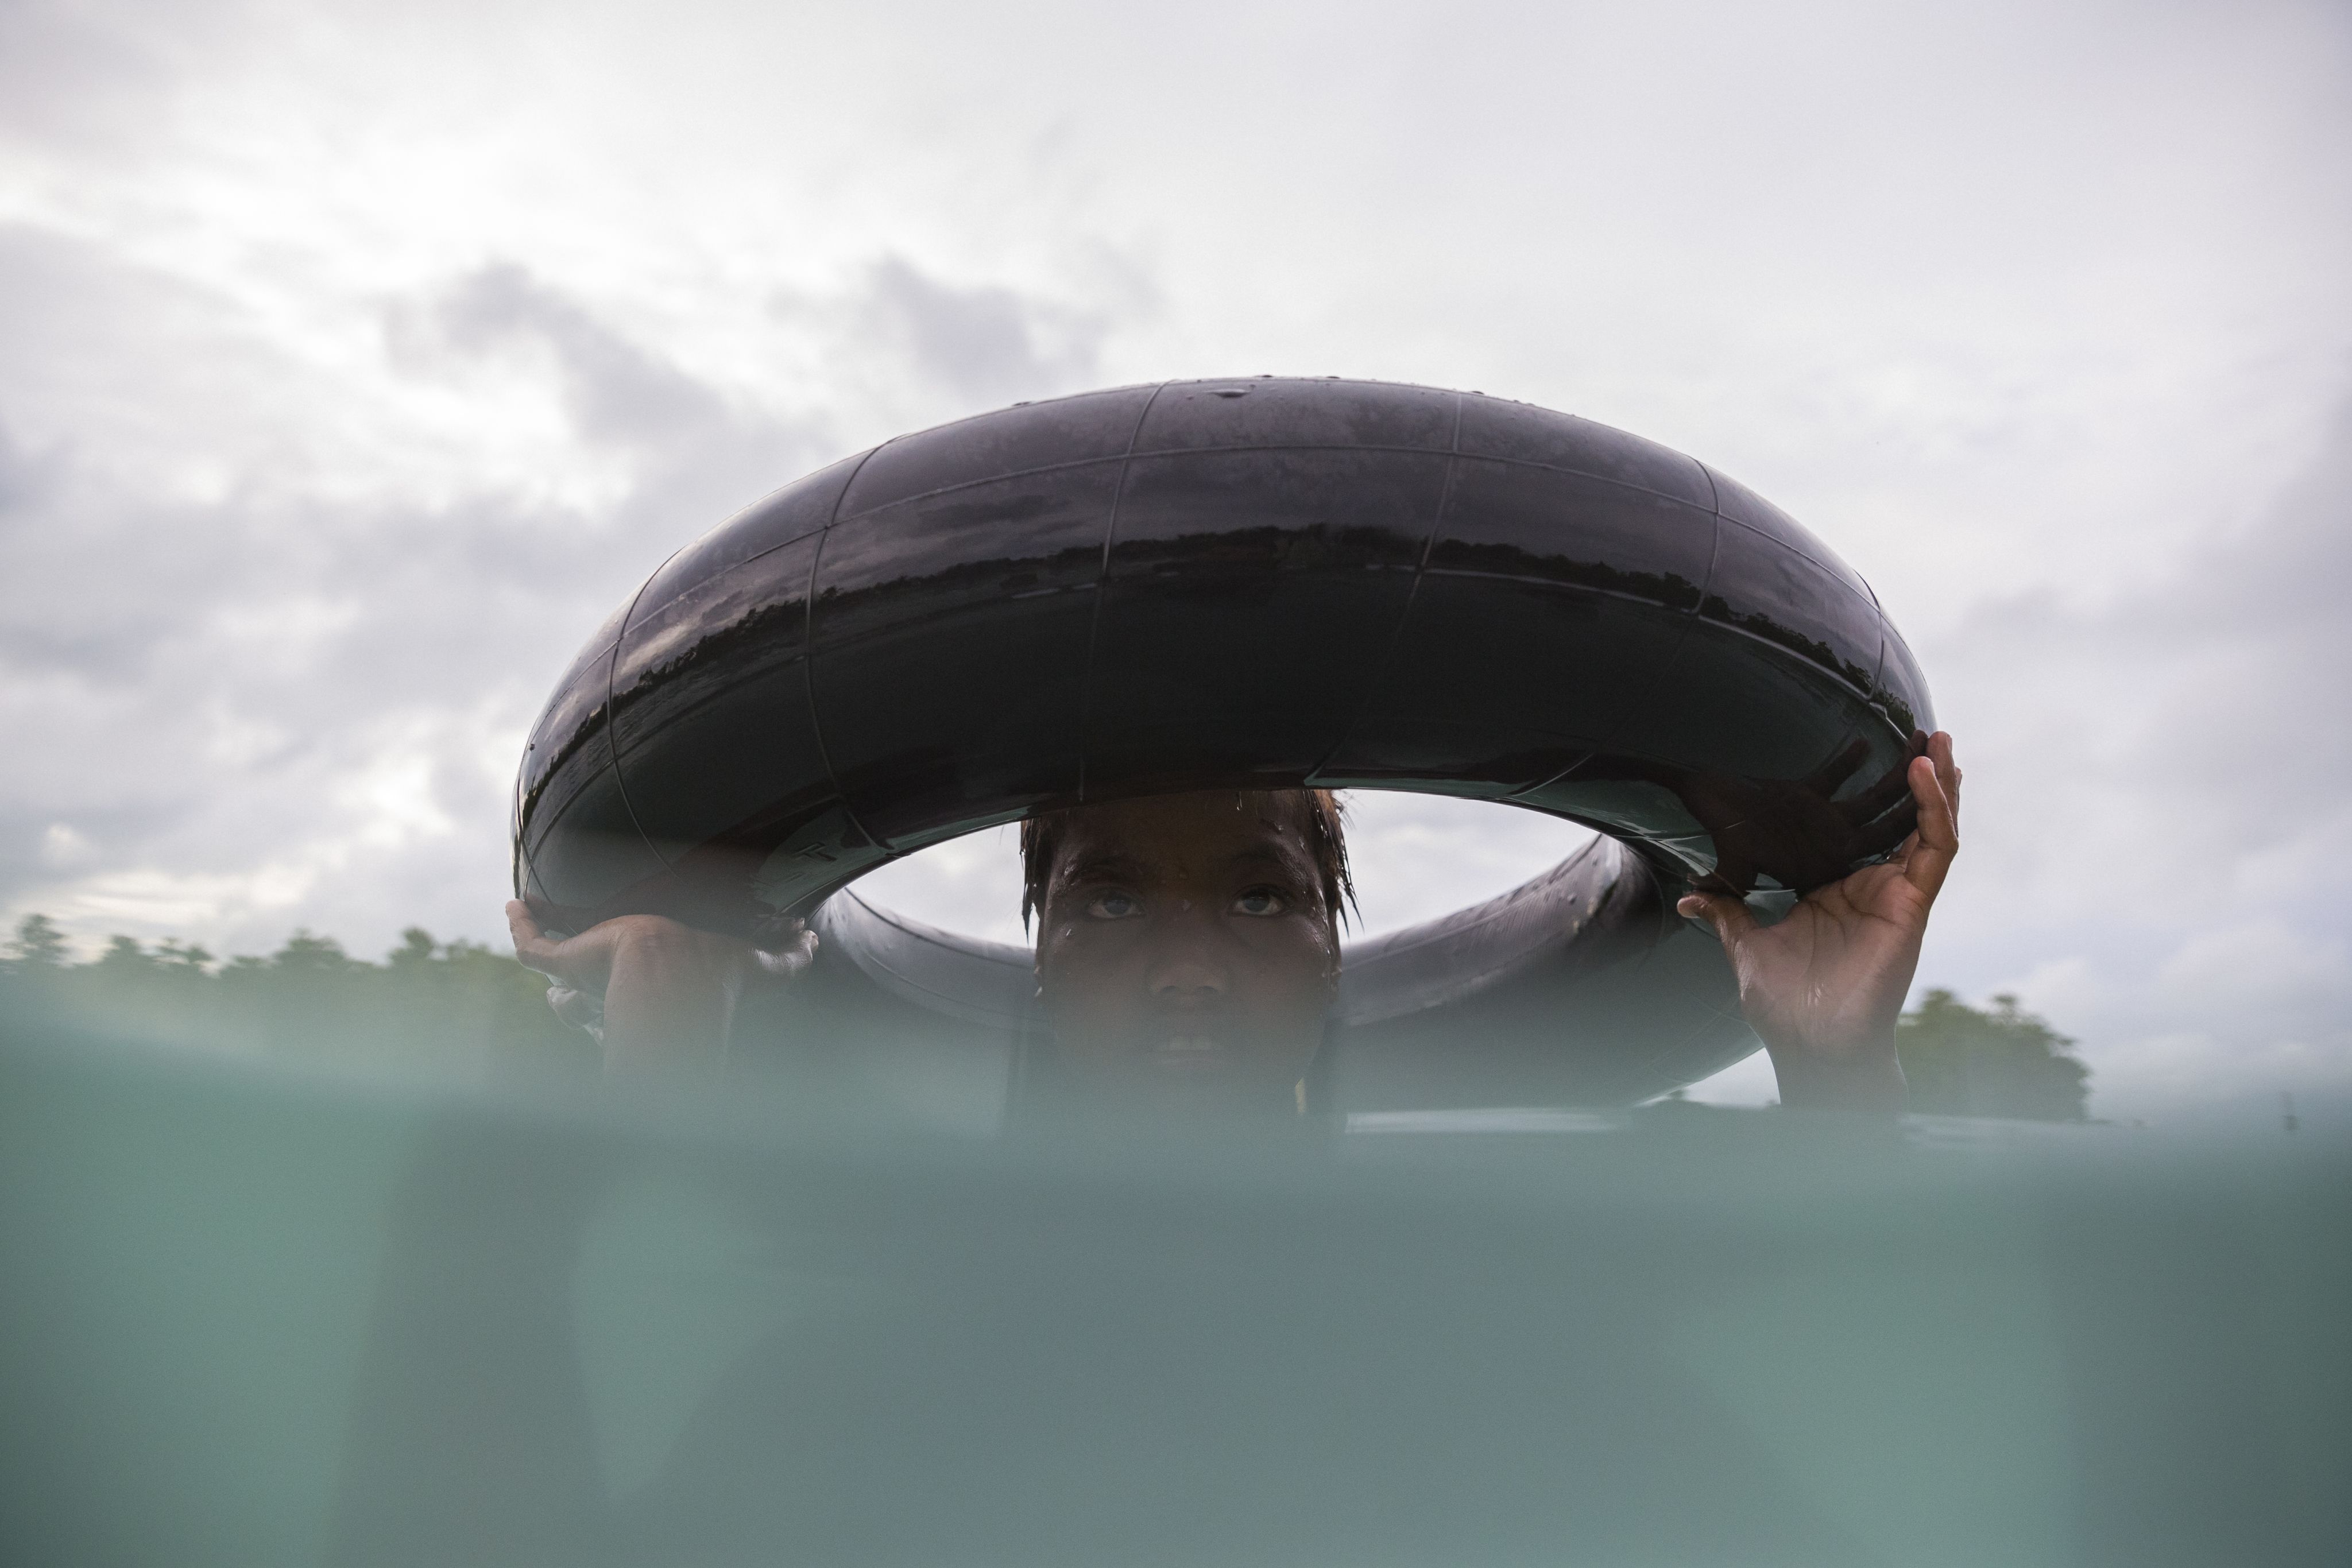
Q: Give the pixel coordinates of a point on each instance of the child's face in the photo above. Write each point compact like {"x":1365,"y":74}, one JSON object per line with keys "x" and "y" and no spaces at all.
{"x":1187,"y":947}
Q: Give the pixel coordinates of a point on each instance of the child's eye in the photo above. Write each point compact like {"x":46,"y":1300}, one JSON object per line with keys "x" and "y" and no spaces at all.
{"x":1260,"y":901}
{"x":1115,"y":906}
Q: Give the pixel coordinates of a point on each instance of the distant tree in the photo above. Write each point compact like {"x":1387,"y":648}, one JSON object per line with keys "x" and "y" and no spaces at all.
{"x":1967,"y":1062}
{"x":315,"y":957}
{"x":172,"y":956}
{"x":124,"y":955}
{"x":39,"y":944}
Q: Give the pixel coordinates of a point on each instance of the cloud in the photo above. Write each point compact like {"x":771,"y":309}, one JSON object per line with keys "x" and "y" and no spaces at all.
{"x":290,"y":689}
{"x":614,"y":390}
{"x":66,"y":68}
{"x":988,"y":346}
{"x":2155,"y":797}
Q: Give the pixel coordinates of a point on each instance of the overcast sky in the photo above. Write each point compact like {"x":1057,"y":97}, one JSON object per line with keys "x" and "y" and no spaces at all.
{"x":356,"y":360}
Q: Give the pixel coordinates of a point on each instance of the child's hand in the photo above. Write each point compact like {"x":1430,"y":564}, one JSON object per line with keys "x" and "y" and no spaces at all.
{"x":1825,"y":986}
{"x":658,"y":993}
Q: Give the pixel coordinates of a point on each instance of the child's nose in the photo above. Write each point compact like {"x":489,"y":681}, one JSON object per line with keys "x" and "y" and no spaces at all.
{"x":1187,"y":968}
{"x":1188,"y":978}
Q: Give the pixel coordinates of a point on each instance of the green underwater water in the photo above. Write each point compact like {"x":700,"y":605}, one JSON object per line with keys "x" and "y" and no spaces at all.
{"x":256,"y":1316}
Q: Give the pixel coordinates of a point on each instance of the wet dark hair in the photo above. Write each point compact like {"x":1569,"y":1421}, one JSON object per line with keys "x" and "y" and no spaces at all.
{"x":1041,"y":839}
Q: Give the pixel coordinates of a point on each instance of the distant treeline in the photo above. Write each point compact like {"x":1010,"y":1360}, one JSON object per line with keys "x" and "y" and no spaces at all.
{"x":462,"y":995}
{"x":309,"y":996}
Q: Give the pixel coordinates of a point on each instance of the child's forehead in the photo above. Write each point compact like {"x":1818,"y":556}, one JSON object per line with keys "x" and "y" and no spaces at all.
{"x":1185,"y":833}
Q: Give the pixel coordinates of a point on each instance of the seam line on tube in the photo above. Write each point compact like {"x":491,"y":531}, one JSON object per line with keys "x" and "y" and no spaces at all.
{"x":808,"y":649}
{"x":1387,"y":660}
{"x":1102,"y":586}
{"x":613,"y":715}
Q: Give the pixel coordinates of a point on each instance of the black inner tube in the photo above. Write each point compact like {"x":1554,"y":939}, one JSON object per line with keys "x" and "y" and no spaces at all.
{"x":1255,"y":583}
